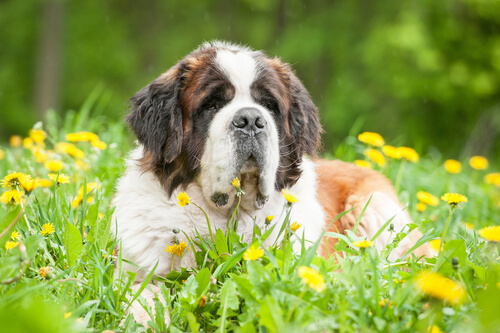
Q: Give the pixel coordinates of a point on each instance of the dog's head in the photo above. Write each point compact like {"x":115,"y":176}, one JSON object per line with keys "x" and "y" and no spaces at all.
{"x":225,"y":111}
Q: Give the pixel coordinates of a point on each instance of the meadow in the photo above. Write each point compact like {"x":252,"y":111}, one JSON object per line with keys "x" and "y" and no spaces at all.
{"x":57,"y":257}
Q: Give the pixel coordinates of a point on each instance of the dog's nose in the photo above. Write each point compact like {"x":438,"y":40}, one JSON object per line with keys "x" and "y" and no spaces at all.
{"x":249,"y":121}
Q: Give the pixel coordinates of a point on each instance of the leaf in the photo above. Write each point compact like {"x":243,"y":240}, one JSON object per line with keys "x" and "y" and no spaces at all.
{"x":452,"y":248}
{"x":91,"y":220}
{"x":271,"y":315}
{"x":73,"y":243}
{"x":221,"y":242}
{"x":228,"y":300}
{"x":194,"y":326}
{"x":203,"y":279}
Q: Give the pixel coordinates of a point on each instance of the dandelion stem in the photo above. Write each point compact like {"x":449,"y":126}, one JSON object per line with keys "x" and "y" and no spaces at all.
{"x":400,"y":175}
{"x":172,"y":263}
{"x":452,"y":207}
{"x":208,"y":222}
{"x":292,"y":310}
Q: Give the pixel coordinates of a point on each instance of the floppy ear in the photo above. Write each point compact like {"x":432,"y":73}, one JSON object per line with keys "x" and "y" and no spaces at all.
{"x":156,"y":118}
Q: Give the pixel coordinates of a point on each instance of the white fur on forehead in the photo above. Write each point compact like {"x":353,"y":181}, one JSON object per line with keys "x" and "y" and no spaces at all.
{"x":239,"y":67}
{"x":225,"y":45}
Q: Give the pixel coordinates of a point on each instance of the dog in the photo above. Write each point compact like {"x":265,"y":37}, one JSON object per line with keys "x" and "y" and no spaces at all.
{"x":226,"y":111}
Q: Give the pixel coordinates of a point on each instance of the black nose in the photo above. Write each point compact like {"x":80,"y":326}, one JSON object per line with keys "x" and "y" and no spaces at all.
{"x":249,"y":121}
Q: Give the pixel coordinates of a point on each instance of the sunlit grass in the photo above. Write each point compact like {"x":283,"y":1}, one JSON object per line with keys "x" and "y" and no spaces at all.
{"x":57,"y":257}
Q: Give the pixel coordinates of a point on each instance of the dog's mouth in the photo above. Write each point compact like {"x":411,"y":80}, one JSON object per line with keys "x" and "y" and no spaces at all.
{"x":252,"y":183}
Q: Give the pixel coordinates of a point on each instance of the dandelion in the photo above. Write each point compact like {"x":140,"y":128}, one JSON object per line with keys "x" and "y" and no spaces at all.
{"x":384,"y":302}
{"x":454,"y":198}
{"x":312,"y":278}
{"x":10,"y":245}
{"x":492,"y":178}
{"x":375,"y":156}
{"x":469,"y":225}
{"x":177,"y":249}
{"x":15,"y":141}
{"x":70,"y":149}
{"x":2,"y":154}
{"x":440,"y":287}
{"x":409,"y":154}
{"x":289,"y":196}
{"x":15,"y":235}
{"x":295,"y":226}
{"x":363,"y":164}
{"x":435,"y":244}
{"x":478,"y":162}
{"x":28,"y":143}
{"x":81,"y":137}
{"x":363,"y":244}
{"x":14,"y":180}
{"x":371,"y":138}
{"x":236,"y":184}
{"x":269,"y":218}
{"x":37,"y":135}
{"x":490,"y":233}
{"x":61,"y":178}
{"x":29,"y":184}
{"x":47,"y":229}
{"x":11,"y":197}
{"x":40,"y":155}
{"x":44,"y":271}
{"x":67,"y":315}
{"x":427,"y":198}
{"x":452,"y":166}
{"x":79,"y":197}
{"x":421,"y":207}
{"x":392,"y":152}
{"x":54,"y":165}
{"x":183,"y":199}
{"x":434,"y":329}
{"x":98,"y":144}
{"x":45,"y":183}
{"x":253,"y":253}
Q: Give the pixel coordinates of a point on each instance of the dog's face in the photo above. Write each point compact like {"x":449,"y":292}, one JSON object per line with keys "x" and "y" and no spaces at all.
{"x":225,"y":111}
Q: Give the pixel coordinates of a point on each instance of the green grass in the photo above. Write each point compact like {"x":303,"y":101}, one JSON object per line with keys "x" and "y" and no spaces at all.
{"x":364,"y":292}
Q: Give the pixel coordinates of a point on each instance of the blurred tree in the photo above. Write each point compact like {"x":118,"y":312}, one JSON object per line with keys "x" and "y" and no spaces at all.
{"x":422,"y":73}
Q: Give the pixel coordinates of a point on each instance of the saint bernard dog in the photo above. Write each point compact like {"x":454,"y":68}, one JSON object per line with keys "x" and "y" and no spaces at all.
{"x":226,"y":111}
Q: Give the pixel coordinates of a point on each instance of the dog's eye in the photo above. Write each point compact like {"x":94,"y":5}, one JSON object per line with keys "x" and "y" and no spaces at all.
{"x":213,"y":106}
{"x":272,"y":106}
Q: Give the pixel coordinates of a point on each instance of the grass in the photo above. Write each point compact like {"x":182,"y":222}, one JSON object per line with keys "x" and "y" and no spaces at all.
{"x":363,"y":292}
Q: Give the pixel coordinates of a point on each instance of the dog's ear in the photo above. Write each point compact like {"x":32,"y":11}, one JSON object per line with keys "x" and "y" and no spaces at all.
{"x":156,"y":117}
{"x":302,"y":130}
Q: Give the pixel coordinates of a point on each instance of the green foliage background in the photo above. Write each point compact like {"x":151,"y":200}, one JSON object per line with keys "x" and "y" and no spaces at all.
{"x":423,"y":73}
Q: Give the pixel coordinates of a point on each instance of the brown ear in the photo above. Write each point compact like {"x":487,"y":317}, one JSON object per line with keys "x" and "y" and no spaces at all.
{"x":302,"y":130}
{"x":156,"y":117}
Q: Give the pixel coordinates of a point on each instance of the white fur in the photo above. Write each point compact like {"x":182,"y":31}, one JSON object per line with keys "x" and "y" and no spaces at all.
{"x":145,"y":217}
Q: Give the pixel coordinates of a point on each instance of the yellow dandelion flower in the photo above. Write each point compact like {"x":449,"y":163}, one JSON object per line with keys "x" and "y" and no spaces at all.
{"x":452,"y":166}
{"x":67,"y":315}
{"x":177,"y":249}
{"x":269,"y":218}
{"x":421,"y":207}
{"x":13,"y":180}
{"x":29,"y":184}
{"x":490,"y":233}
{"x":435,"y":244}
{"x":10,"y":245}
{"x":375,"y":155}
{"x":12,"y":197}
{"x":440,"y":287}
{"x":79,"y":197}
{"x":478,"y":162}
{"x":236,"y":183}
{"x":454,"y":198}
{"x":28,"y":143}
{"x":409,"y":154}
{"x":15,"y":141}
{"x":392,"y":152}
{"x":98,"y":144}
{"x":37,"y":135}
{"x":312,"y":278}
{"x":427,"y":198}
{"x":2,"y":154}
{"x":295,"y":226}
{"x":253,"y":253}
{"x":44,"y":271}
{"x":363,"y":164}
{"x":61,"y":178}
{"x":384,"y":302}
{"x":45,"y":183}
{"x":70,"y":149}
{"x":81,"y":137}
{"x":363,"y":244}
{"x":492,"y":178}
{"x":371,"y":138}
{"x":183,"y":199}
{"x":54,"y":165}
{"x":289,"y":196}
{"x":47,"y":229}
{"x":15,"y":235}
{"x":41,"y":155}
{"x":469,"y":225}
{"x":434,"y":329}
